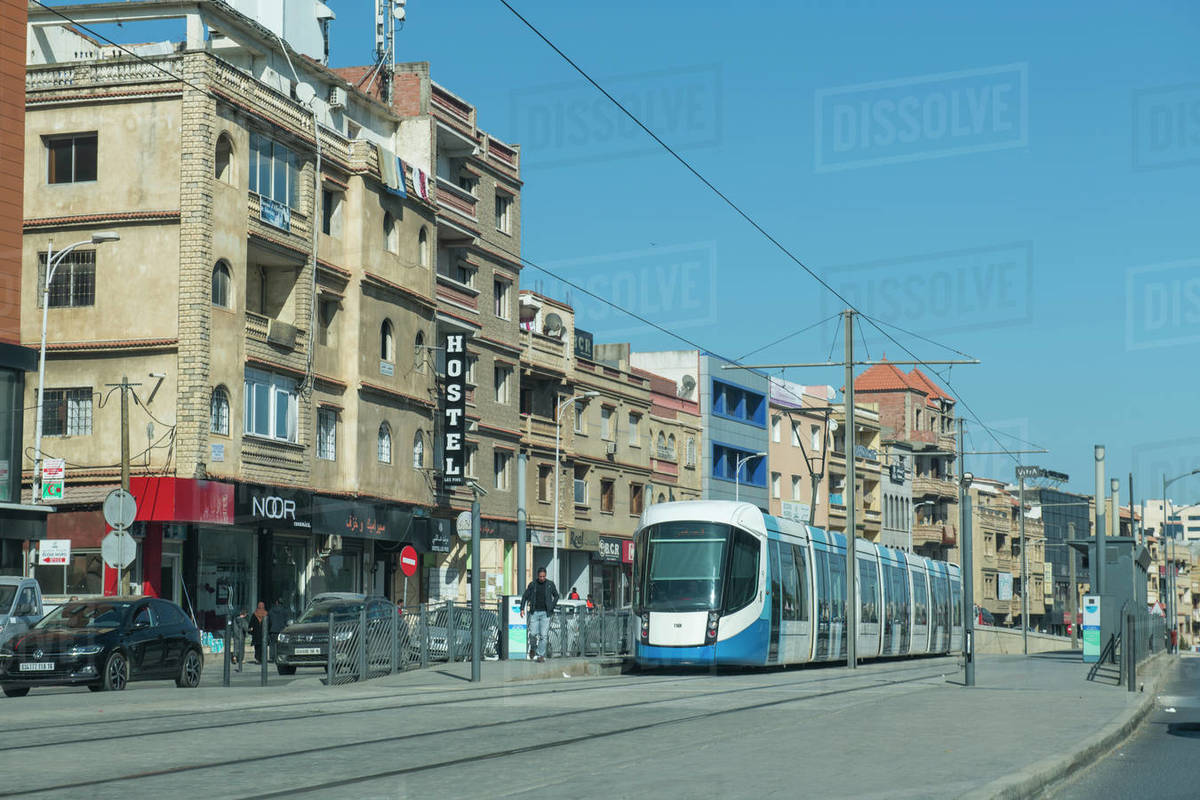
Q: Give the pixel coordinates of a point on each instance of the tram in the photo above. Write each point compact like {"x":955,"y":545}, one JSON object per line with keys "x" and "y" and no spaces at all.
{"x":718,"y":582}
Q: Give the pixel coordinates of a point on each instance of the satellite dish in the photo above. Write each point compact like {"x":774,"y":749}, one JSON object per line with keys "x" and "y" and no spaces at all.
{"x":553,"y":324}
{"x":687,"y":385}
{"x":305,"y":93}
{"x":833,"y":425}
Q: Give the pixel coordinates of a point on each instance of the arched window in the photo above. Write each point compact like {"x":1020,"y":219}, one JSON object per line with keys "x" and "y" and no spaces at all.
{"x":224,"y":158}
{"x":218,"y":412}
{"x":418,"y":450}
{"x":391,"y":235}
{"x":662,"y":441}
{"x":419,"y":352}
{"x":222,"y":285}
{"x":423,"y":247}
{"x":662,"y":498}
{"x":671,"y":445}
{"x":691,"y":451}
{"x":384,"y":445}
{"x":387,"y":341}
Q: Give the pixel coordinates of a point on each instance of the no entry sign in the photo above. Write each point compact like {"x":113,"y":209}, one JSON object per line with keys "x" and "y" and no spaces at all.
{"x":408,"y":561}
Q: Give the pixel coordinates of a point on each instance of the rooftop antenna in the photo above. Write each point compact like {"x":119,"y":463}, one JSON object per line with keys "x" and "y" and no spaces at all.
{"x":388,"y":14}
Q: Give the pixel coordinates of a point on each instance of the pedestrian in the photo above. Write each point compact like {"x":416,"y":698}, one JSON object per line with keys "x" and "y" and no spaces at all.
{"x":237,"y":633}
{"x":574,"y":595}
{"x":541,"y":596}
{"x":277,"y":620}
{"x":258,"y":621}
{"x":591,"y":606}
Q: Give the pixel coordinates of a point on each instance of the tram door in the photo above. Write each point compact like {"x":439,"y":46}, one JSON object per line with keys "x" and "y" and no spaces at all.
{"x":920,"y":593}
{"x":775,"y":598}
{"x":794,"y":643}
{"x":867,"y":644}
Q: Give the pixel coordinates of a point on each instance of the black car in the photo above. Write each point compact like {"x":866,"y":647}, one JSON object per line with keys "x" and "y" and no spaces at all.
{"x":103,"y":643}
{"x":305,"y":642}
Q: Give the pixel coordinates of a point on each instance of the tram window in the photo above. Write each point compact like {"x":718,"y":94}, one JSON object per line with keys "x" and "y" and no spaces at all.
{"x":791,"y":601}
{"x":801,"y":581}
{"x":955,"y":604}
{"x":743,"y":571}
{"x":920,"y":599}
{"x":868,"y":580}
{"x":837,"y":589}
{"x":821,"y":570}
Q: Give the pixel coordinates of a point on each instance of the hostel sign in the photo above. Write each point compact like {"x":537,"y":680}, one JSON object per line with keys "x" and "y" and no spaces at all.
{"x":454,"y":411}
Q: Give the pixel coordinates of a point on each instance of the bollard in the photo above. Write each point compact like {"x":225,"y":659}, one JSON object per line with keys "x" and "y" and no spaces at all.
{"x":423,"y":635}
{"x":394,"y":665}
{"x":228,"y":648}
{"x":329,"y":660}
{"x":362,"y":643}
{"x":450,"y":630}
{"x":264,"y":637}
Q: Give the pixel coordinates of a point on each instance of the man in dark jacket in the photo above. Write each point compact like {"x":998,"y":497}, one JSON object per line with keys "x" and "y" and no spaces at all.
{"x":541,"y":596}
{"x":239,"y":629}
{"x":277,"y":620}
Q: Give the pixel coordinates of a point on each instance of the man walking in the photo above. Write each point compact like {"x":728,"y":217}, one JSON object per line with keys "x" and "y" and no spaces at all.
{"x":541,"y":596}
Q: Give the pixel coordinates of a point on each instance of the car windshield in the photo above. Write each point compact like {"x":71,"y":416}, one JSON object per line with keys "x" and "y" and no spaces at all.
{"x":320,"y":611}
{"x":7,"y":593}
{"x":90,"y":615}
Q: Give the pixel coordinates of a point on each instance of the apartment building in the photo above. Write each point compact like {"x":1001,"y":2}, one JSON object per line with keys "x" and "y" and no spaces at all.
{"x":995,"y":526}
{"x":1065,"y":516}
{"x":675,"y":431}
{"x":271,"y":301}
{"x":915,"y":412}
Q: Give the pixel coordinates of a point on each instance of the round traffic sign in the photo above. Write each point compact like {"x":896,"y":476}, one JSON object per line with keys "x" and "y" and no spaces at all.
{"x":408,"y":560}
{"x":118,"y":549}
{"x":463,"y":525}
{"x":120,"y":509}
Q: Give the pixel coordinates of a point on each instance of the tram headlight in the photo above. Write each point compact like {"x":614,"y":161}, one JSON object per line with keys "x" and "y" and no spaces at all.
{"x":710,"y":632}
{"x":645,"y":629}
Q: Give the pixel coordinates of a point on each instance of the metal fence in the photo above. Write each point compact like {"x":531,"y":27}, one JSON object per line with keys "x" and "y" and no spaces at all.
{"x":1141,"y":636}
{"x":590,"y":633}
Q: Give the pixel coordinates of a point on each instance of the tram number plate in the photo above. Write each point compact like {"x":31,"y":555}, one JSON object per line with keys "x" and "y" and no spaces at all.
{"x":308,"y":651}
{"x":37,"y":666}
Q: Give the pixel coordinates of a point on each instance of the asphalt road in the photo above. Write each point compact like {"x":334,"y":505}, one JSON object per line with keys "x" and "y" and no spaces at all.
{"x":1159,"y":761}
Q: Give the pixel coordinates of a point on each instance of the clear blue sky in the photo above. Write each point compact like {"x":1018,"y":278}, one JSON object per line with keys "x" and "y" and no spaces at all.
{"x":998,"y":178}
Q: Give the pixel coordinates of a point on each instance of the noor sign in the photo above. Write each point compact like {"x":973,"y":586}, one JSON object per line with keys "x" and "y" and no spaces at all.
{"x":454,"y":411}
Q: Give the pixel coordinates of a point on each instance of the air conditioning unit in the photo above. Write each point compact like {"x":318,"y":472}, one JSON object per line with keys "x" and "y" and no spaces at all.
{"x":282,"y":334}
{"x":610,"y":448}
{"x":338,"y":97}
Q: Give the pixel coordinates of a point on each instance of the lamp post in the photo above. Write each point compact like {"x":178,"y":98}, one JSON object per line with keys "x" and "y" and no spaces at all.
{"x":52,"y":261}
{"x":737,"y":473}
{"x":1168,"y":550}
{"x":558,"y":466}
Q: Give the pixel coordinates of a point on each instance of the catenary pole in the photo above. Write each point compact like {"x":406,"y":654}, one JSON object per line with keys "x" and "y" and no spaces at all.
{"x":1098,"y":561}
{"x":851,"y":529}
{"x":968,"y":565}
{"x":1024,"y":574}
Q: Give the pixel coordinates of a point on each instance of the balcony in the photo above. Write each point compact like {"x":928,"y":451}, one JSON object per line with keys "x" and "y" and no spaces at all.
{"x":926,"y":485}
{"x":454,"y":198}
{"x":546,"y":352}
{"x":939,"y":533}
{"x":538,"y":430}
{"x":274,"y":341}
{"x":946,"y":442}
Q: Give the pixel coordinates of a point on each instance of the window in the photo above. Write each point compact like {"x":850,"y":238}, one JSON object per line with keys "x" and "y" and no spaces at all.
{"x":221,"y":284}
{"x":502,"y":374}
{"x":500,"y":461}
{"x":469,"y":469}
{"x":545,"y":482}
{"x":387,"y":341}
{"x":725,"y":465}
{"x":274,"y":171}
{"x":795,"y":487}
{"x":452,"y":263}
{"x":419,"y":352}
{"x":634,"y":421}
{"x":503,"y":207}
{"x":801,"y":580}
{"x":606,"y":495}
{"x":776,"y":478}
{"x":671,"y":446}
{"x":423,"y":247}
{"x":224,"y":158}
{"x":742,"y":585}
{"x":606,"y":432}
{"x":327,"y":434}
{"x":271,"y":406}
{"x":71,"y":159}
{"x":580,"y":410}
{"x":82,"y":575}
{"x":218,"y":412}
{"x":691,"y":452}
{"x":815,"y":431}
{"x":67,"y":412}
{"x":581,"y":489}
{"x":391,"y":233}
{"x":738,"y":403}
{"x":74,"y":283}
{"x":500,"y":293}
{"x":470,"y":373}
{"x":327,"y":309}
{"x":637,"y":498}
{"x":776,"y":426}
{"x":383,"y":444}
{"x":331,"y":212}
{"x":418,"y":451}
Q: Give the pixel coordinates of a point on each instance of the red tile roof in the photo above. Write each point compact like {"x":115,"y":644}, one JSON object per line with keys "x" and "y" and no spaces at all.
{"x":885,"y":378}
{"x":931,"y":388}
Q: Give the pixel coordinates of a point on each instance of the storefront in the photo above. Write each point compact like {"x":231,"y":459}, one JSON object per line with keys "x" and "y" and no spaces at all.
{"x":612,"y":573}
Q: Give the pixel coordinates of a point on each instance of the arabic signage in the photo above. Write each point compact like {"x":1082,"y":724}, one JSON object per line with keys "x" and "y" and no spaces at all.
{"x":276,"y":507}
{"x":584,"y":344}
{"x":54,"y":472}
{"x":364,"y":519}
{"x":862,"y":451}
{"x":275,"y":214}
{"x":437,"y":530}
{"x":54,"y":552}
{"x":497,"y":529}
{"x":540,"y":538}
{"x":454,"y":411}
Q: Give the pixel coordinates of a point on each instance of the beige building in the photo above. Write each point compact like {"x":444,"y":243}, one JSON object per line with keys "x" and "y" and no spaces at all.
{"x":997,"y":556}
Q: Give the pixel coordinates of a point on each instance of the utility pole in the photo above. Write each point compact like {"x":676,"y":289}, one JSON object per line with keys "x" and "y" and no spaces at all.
{"x":1024,"y":574}
{"x":1098,"y":561}
{"x":1133,"y":592}
{"x":125,"y":386}
{"x":851,"y":528}
{"x":1073,"y":606}
{"x":968,"y":566}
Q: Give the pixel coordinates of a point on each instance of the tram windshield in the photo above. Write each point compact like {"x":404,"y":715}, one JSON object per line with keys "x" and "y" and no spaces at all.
{"x":687,"y":566}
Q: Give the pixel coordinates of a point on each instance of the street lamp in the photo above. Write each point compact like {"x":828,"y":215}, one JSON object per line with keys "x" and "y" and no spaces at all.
{"x":737,"y":473}
{"x":1170,"y":550}
{"x":52,"y":262}
{"x":558,"y":467}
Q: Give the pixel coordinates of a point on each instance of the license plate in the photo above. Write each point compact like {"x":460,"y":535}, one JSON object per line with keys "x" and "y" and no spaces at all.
{"x":308,"y":651}
{"x":37,"y":666}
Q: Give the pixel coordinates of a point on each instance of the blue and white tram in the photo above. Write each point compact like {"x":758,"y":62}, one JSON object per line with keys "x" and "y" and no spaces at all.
{"x":722,"y":583}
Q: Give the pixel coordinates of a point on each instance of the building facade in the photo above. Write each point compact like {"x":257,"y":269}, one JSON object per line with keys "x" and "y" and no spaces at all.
{"x":996,"y":539}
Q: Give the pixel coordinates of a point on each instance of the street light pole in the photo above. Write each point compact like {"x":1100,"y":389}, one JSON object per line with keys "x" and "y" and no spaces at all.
{"x":737,"y":474}
{"x":52,"y":261}
{"x":1168,"y":550}
{"x":1024,"y":575}
{"x":558,"y":467}
{"x":966,"y":534}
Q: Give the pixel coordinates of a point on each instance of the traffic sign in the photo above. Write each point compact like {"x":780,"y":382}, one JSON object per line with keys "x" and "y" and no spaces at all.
{"x":118,"y":549}
{"x":408,"y":560}
{"x":464,"y":524}
{"x":120,"y":509}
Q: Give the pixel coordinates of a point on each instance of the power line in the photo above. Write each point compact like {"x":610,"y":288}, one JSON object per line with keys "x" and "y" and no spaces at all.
{"x":791,"y":335}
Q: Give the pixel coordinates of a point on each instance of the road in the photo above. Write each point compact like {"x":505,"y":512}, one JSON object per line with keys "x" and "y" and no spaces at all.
{"x":1159,"y":760}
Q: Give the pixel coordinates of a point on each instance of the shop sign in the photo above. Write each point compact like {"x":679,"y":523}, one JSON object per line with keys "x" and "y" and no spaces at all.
{"x":627,"y":551}
{"x":54,"y":552}
{"x":362,"y":519}
{"x":796,"y":512}
{"x":540,"y":538}
{"x":897,"y":473}
{"x":497,"y":529}
{"x":581,"y":540}
{"x":169,"y":499}
{"x":454,"y":411}
{"x":584,"y":346}
{"x":610,"y":549}
{"x":278,"y":507}
{"x":54,"y":472}
{"x":439,"y":534}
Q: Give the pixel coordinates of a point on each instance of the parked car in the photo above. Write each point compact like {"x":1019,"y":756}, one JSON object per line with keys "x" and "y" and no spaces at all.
{"x":103,"y":643}
{"x":20,"y":605}
{"x":305,"y":642}
{"x":439,"y":633}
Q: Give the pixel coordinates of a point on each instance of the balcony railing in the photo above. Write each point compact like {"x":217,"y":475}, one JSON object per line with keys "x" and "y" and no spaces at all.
{"x":929,"y":485}
{"x":934,"y":533}
{"x":114,"y":71}
{"x":539,"y":430}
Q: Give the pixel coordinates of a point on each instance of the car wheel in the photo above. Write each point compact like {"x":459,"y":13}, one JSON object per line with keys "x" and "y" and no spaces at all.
{"x":116,"y":673}
{"x":16,"y":691}
{"x":189,"y":671}
{"x":285,"y":670}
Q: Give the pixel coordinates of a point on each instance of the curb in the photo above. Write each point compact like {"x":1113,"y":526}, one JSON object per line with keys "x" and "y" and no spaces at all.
{"x":1033,"y":780}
